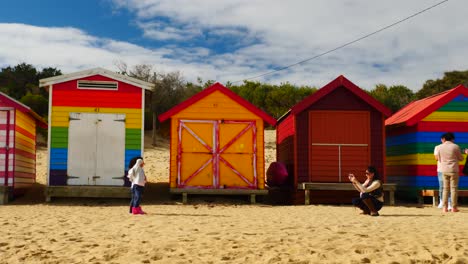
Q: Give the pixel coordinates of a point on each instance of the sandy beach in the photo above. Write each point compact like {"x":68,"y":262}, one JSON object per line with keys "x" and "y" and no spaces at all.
{"x":221,"y":230}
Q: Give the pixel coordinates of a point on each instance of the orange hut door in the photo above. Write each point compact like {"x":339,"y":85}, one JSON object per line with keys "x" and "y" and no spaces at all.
{"x":216,"y":154}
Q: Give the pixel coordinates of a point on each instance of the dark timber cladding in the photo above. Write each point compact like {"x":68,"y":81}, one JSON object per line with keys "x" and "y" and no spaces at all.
{"x":337,"y":130}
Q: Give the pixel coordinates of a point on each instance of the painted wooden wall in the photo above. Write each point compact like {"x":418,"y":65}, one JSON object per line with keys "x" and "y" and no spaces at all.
{"x":410,"y":149}
{"x":216,"y":106}
{"x":293,"y":143}
{"x":25,"y":150}
{"x":340,"y":99}
{"x":66,"y":98}
{"x":4,"y":127}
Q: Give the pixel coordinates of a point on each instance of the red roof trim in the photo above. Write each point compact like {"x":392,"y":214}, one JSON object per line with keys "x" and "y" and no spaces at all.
{"x":217,"y":87}
{"x":429,"y":104}
{"x":23,"y":108}
{"x":338,"y":82}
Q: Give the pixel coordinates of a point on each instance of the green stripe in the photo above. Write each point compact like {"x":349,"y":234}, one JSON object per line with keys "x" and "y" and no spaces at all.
{"x":59,"y":138}
{"x":132,"y":138}
{"x":454,"y":107}
{"x":413,"y":148}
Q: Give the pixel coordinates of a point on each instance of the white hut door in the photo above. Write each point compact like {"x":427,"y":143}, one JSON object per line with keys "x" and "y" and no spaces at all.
{"x":96,"y":149}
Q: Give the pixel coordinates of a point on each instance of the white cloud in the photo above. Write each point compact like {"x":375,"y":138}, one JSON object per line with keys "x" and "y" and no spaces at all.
{"x":287,"y":32}
{"x":259,"y":35}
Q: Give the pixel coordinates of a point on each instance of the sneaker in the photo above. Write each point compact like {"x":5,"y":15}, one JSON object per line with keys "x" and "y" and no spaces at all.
{"x":441,"y":205}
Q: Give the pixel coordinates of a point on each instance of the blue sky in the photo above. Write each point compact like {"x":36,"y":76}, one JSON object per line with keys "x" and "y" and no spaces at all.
{"x":238,"y":39}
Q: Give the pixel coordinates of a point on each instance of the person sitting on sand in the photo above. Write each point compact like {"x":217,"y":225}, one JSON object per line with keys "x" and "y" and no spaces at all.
{"x":137,"y":177}
{"x":371,"y":198}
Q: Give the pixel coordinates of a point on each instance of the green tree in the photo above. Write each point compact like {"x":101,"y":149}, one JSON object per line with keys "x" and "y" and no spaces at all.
{"x":37,"y":103}
{"x":394,"y":97}
{"x":449,"y":81}
{"x":19,"y":80}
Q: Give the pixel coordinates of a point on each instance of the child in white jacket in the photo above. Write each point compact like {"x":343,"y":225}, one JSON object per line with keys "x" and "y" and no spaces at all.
{"x":137,"y":177}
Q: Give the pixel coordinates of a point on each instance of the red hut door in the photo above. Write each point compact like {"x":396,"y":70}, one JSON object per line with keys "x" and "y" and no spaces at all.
{"x":340,"y":144}
{"x":217,"y":154}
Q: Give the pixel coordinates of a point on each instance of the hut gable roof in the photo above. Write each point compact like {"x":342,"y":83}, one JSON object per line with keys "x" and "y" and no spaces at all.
{"x":8,"y":101}
{"x":415,"y":111}
{"x":92,"y":72}
{"x":340,"y":81}
{"x":213,"y":88}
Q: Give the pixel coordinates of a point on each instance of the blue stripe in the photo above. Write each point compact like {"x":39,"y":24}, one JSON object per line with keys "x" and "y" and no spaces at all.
{"x":423,"y":181}
{"x":58,"y":158}
{"x":460,"y":98}
{"x":130,"y":154}
{"x":424,"y":137}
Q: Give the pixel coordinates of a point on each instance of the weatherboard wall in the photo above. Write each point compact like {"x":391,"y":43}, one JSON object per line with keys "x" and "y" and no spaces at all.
{"x":308,"y":122}
{"x":410,"y":149}
{"x":66,"y":98}
{"x":24,"y":150}
{"x":216,"y":106}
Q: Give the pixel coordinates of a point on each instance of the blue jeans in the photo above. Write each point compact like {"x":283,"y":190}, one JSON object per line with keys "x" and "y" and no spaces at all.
{"x":137,"y":193}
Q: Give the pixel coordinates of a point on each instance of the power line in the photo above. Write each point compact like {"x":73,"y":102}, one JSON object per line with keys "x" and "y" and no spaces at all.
{"x":346,"y":44}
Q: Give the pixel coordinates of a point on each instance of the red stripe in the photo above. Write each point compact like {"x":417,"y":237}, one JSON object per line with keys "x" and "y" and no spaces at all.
{"x":413,"y":170}
{"x":25,"y":175}
{"x":197,"y":171}
{"x":24,"y":154}
{"x":72,"y":85}
{"x":432,"y":126}
{"x":25,"y":132}
{"x":234,"y":139}
{"x":229,"y":165}
{"x":93,"y":98}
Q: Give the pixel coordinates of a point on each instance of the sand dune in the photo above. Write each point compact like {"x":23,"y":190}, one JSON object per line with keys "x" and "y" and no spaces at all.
{"x":222,"y":230}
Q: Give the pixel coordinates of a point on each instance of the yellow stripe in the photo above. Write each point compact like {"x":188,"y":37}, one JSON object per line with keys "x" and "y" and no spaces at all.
{"x":29,"y":150}
{"x":25,"y":122}
{"x":23,"y":180}
{"x":25,"y":164}
{"x":25,"y":138}
{"x":25,"y":159}
{"x":27,"y":170}
{"x":60,"y":115}
{"x":447,"y":116}
{"x":413,"y":159}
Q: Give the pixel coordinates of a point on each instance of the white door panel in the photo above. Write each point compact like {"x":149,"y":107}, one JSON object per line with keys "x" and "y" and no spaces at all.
{"x":81,"y":148}
{"x":110,"y":149}
{"x":96,"y":149}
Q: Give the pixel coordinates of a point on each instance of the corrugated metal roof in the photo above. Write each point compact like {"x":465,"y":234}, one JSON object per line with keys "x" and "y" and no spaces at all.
{"x":415,"y":111}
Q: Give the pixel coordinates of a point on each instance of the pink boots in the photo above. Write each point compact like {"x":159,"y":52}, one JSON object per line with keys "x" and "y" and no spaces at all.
{"x":137,"y":210}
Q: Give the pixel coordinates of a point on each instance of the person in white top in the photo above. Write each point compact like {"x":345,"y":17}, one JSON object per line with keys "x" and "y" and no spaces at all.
{"x":137,"y":177}
{"x":440,"y":178}
{"x":449,"y":154}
